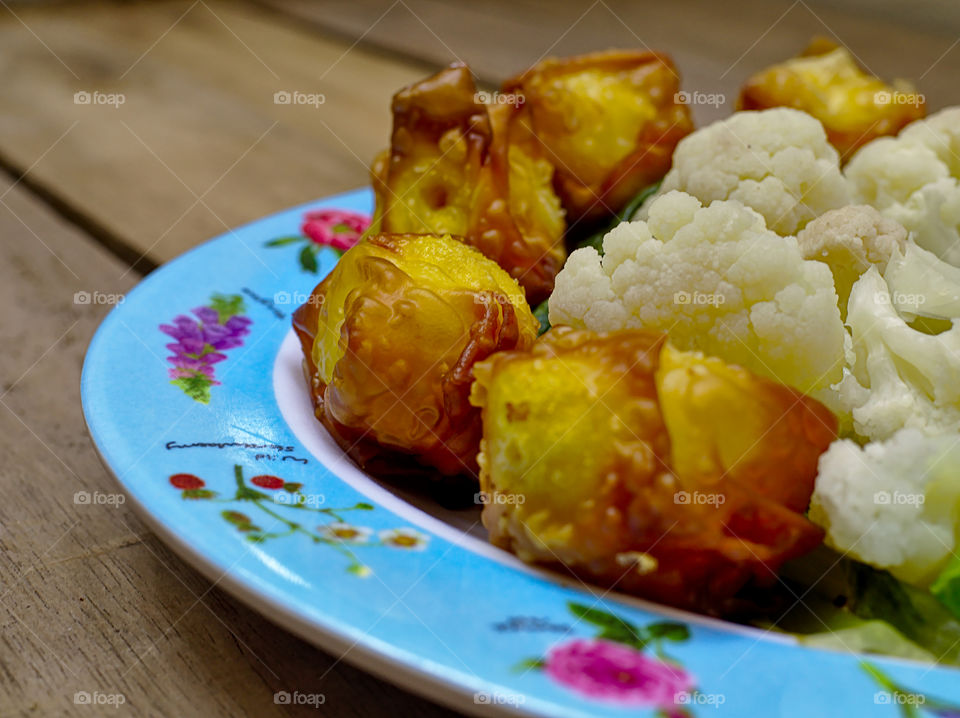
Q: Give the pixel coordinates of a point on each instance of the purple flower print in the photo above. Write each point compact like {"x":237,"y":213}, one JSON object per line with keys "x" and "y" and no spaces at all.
{"x":200,"y":343}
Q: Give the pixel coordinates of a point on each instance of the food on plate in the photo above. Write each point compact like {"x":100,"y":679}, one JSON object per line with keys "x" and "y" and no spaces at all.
{"x":828,"y":83}
{"x":914,"y":178}
{"x":458,"y":166}
{"x":609,"y":122}
{"x":853,"y":238}
{"x":777,"y":162}
{"x":850,"y":240}
{"x":614,"y":455}
{"x":715,"y":279}
{"x":390,"y":337}
{"x":901,"y":376}
{"x":923,"y":285}
{"x":849,"y":606}
{"x":893,"y":504}
{"x":747,"y":303}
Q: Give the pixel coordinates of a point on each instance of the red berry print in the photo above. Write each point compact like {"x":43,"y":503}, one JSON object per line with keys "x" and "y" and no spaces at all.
{"x":264,"y":481}
{"x":187,"y":481}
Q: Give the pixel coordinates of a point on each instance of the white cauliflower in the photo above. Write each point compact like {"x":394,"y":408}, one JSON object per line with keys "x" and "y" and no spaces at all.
{"x":892,"y":504}
{"x":850,"y":240}
{"x":777,"y":162}
{"x":922,"y":284}
{"x":901,"y":376}
{"x":914,"y":178}
{"x":717,"y":280}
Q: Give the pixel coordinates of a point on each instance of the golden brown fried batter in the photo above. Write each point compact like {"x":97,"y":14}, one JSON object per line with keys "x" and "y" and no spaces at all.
{"x":609,"y":122}
{"x":826,"y":82}
{"x":673,"y":476}
{"x":458,"y":166}
{"x":390,"y":338}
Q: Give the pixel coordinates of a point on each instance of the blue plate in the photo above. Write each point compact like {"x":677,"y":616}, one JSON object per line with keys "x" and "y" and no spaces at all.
{"x":194,"y":396}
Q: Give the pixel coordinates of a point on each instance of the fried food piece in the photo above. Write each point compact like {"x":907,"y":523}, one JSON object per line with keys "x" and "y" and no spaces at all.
{"x":759,"y":449}
{"x":458,"y":166}
{"x":826,"y":82}
{"x":390,"y":337}
{"x":670,"y":475}
{"x":609,"y":122}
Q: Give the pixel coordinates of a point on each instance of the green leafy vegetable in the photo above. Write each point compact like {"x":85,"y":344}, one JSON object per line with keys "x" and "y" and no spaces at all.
{"x":855,"y":607}
{"x":542,"y":313}
{"x":595,"y":240}
{"x":947,"y":586}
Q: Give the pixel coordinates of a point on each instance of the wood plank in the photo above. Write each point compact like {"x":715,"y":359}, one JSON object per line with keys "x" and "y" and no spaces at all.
{"x":716,"y":45}
{"x":199,"y":144}
{"x":89,"y":599}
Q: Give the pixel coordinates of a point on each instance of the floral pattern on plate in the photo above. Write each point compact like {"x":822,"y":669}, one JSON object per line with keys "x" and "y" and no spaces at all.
{"x":450,"y":581}
{"x":615,"y":665}
{"x":335,"y":230}
{"x":289,"y":509}
{"x":200,"y":343}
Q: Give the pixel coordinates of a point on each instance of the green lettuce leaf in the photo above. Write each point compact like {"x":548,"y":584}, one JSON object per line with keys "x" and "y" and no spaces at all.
{"x":947,"y":586}
{"x":855,"y":607}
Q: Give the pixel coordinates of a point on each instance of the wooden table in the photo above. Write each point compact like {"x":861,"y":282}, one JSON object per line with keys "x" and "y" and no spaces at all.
{"x":93,"y":196}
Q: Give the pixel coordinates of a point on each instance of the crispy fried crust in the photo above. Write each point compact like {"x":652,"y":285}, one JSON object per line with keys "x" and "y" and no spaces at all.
{"x":826,"y":82}
{"x":458,"y":166}
{"x":407,"y":343}
{"x":621,"y":99}
{"x":578,"y":460}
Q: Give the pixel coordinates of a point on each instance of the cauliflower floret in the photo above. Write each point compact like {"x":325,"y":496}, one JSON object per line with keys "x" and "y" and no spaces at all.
{"x":915,"y":179}
{"x":717,"y":280}
{"x":849,"y":240}
{"x":901,"y":376}
{"x":777,"y":162}
{"x":892,"y":504}
{"x":922,"y":284}
{"x":852,"y":239}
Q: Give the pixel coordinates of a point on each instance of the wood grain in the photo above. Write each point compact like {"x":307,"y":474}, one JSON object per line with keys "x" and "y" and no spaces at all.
{"x":89,"y":599}
{"x":198,"y":145}
{"x":716,"y":44}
